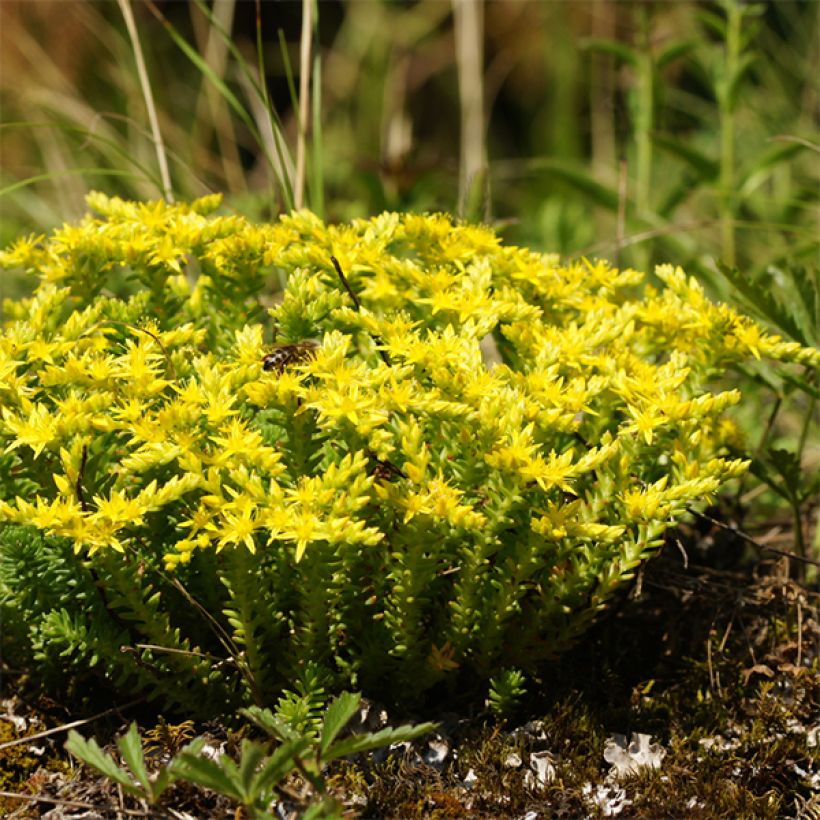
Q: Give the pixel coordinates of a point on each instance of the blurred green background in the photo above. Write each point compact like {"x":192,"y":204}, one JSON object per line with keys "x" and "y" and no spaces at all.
{"x":636,"y":131}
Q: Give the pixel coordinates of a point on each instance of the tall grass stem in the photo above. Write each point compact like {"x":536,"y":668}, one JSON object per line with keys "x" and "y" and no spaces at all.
{"x":215,"y":54}
{"x":644,"y":121}
{"x":304,"y":100}
{"x":726,"y":105}
{"x":148,"y":95}
{"x":468,"y":20}
{"x":317,"y":188}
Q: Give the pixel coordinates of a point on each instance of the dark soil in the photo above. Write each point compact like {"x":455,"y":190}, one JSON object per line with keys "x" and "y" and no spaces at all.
{"x":719,"y":666}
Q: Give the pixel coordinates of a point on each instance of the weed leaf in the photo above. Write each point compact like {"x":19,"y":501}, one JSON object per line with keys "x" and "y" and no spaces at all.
{"x":376,"y":740}
{"x":761,"y":300}
{"x":336,"y":718}
{"x":130,"y":747}
{"x":90,"y":753}
{"x":267,"y":721}
{"x":210,"y":774}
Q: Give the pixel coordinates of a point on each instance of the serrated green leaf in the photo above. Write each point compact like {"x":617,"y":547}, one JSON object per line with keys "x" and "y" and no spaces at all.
{"x":194,"y":747}
{"x":92,"y":755}
{"x":209,"y":774}
{"x":130,"y":746}
{"x":268,"y":722}
{"x":280,"y":764}
{"x":375,"y":740}
{"x":337,"y":716}
{"x":787,"y":465}
{"x":251,"y":755}
{"x":326,"y":809}
{"x":782,"y":472}
{"x":761,"y":301}
{"x":805,"y":285}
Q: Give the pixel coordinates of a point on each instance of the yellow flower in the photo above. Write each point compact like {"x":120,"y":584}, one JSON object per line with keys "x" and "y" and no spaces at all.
{"x":750,"y":337}
{"x":557,"y":471}
{"x":645,"y":422}
{"x":238,"y":524}
{"x":237,"y":440}
{"x":350,"y":402}
{"x":220,"y":405}
{"x":517,"y":453}
{"x":38,"y":430}
{"x":557,"y":520}
{"x":415,"y":504}
{"x":117,"y":509}
{"x":304,"y":528}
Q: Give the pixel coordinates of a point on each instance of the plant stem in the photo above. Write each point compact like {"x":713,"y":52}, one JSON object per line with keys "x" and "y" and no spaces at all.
{"x":317,"y":189}
{"x":468,"y":20}
{"x":142,"y":73}
{"x":807,"y":422}
{"x":215,"y":53}
{"x":304,"y":100}
{"x":644,"y":122}
{"x":726,"y":105}
{"x":800,"y":542}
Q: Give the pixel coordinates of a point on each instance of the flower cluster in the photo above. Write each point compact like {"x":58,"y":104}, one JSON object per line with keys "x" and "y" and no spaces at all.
{"x":478,"y":449}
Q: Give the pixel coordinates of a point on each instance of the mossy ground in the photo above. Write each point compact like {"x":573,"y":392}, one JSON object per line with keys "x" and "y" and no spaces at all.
{"x":719,"y":666}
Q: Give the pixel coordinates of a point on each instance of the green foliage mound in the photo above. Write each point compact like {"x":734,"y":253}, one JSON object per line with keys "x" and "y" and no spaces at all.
{"x":448,"y":461}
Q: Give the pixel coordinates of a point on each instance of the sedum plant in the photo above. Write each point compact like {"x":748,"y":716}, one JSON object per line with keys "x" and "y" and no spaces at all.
{"x":448,"y":461}
{"x":505,"y":692}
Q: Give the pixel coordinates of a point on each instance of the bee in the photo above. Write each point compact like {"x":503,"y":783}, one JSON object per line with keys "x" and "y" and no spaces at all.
{"x":285,"y":355}
{"x":383,"y":470}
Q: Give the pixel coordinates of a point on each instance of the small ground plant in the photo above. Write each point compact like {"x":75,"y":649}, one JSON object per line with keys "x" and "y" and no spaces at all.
{"x":255,"y":780}
{"x":448,"y":461}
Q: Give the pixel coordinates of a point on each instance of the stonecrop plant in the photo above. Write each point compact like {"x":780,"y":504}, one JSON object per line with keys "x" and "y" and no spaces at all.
{"x":435,"y":463}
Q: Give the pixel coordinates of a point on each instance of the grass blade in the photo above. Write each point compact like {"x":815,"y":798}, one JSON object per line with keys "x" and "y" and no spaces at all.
{"x":304,"y":100}
{"x":317,"y":188}
{"x":274,"y":150}
{"x":273,"y":120}
{"x":148,"y":95}
{"x":22,"y":183}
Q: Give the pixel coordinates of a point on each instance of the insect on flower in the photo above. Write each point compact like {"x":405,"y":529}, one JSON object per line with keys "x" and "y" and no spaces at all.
{"x":285,"y":355}
{"x":383,"y":470}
